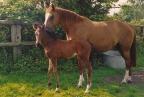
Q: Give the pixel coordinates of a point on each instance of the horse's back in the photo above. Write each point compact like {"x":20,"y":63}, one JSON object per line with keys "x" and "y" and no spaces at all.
{"x":105,"y":35}
{"x":123,"y":31}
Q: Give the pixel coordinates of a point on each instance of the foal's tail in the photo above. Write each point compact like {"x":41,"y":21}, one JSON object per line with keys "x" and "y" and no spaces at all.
{"x":133,"y":52}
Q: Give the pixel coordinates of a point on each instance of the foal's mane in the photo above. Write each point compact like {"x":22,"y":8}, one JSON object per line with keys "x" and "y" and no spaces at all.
{"x":68,"y":16}
{"x":51,"y":34}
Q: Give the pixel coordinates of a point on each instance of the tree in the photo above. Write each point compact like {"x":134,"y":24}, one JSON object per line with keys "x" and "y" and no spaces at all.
{"x":94,"y":9}
{"x":25,"y":10}
{"x":133,"y":12}
{"x":32,"y":10}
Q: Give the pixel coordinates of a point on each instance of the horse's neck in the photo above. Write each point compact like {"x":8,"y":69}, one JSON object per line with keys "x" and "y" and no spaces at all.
{"x":69,"y":19}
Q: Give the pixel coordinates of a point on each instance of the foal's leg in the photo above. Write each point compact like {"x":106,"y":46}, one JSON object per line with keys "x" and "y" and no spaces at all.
{"x":81,"y":69}
{"x":54,"y":62}
{"x":50,"y":69}
{"x":89,"y":76}
{"x":126,"y":56}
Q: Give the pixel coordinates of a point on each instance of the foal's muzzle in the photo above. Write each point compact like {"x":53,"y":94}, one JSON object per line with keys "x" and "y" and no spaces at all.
{"x":37,"y":45}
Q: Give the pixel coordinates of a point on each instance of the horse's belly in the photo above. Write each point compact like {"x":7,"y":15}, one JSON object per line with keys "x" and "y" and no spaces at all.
{"x":102,"y":42}
{"x":97,"y":43}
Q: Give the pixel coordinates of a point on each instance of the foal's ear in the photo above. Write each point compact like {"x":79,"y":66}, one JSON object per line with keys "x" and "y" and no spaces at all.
{"x":35,"y":26}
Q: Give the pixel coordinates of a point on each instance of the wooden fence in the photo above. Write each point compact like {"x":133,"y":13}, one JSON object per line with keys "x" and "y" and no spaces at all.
{"x":16,"y":40}
{"x":140,"y":32}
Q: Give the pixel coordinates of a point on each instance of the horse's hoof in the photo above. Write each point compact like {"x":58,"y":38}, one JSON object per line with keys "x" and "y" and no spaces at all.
{"x":129,"y":81}
{"x":123,"y":82}
{"x":86,"y":92}
{"x":79,"y":86}
{"x":57,"y":90}
{"x":126,"y":81}
{"x":49,"y":84}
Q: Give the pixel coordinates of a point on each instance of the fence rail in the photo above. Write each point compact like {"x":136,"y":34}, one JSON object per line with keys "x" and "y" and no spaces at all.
{"x":13,"y":44}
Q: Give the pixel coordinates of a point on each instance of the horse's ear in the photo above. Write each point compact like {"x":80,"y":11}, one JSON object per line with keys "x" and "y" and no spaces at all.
{"x":46,"y":4}
{"x":52,"y":6}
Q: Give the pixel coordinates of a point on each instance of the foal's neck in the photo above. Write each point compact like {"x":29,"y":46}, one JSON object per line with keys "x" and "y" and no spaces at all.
{"x":47,"y":40}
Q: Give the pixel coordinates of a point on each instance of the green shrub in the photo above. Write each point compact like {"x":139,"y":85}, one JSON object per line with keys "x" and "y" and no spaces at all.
{"x":140,"y":54}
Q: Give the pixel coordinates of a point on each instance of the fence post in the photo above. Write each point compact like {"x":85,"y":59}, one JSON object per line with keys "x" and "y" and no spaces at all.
{"x":16,"y":38}
{"x":142,"y":31}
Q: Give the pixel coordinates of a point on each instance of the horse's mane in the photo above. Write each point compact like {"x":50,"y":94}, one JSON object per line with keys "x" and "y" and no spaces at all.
{"x":68,"y":16}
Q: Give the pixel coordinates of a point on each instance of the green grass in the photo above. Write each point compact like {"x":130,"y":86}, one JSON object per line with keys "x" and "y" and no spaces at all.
{"x":35,"y":85}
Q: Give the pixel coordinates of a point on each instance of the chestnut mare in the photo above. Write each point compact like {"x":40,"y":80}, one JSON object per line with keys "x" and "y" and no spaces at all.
{"x":102,"y":36}
{"x":55,"y":49}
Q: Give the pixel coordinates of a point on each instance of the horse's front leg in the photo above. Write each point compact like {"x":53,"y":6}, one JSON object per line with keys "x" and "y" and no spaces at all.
{"x":54,"y":62}
{"x":81,"y":70}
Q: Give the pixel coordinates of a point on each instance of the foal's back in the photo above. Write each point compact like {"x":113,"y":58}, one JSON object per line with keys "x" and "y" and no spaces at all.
{"x":68,"y":48}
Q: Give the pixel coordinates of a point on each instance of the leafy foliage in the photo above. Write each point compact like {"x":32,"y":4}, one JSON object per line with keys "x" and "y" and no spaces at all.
{"x":94,"y":9}
{"x":133,"y":12}
{"x":25,"y":10}
{"x":32,"y":10}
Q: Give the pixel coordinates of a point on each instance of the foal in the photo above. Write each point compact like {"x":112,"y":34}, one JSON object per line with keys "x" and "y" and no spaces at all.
{"x":55,"y":49}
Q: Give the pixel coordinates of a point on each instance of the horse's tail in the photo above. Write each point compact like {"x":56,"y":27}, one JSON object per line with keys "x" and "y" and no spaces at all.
{"x":133,"y":52}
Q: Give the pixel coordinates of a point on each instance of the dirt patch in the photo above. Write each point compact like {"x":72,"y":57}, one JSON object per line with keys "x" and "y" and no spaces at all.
{"x":137,"y":77}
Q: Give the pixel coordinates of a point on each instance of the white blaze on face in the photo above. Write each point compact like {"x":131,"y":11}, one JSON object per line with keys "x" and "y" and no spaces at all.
{"x":47,"y":15}
{"x":36,"y":37}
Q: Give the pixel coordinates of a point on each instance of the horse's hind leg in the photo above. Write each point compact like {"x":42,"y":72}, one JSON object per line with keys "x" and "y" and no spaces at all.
{"x":89,"y":75}
{"x":126,"y":55}
{"x":81,"y":70}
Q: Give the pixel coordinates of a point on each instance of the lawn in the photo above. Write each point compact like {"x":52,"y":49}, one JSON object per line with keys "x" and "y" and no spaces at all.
{"x":106,"y":83}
